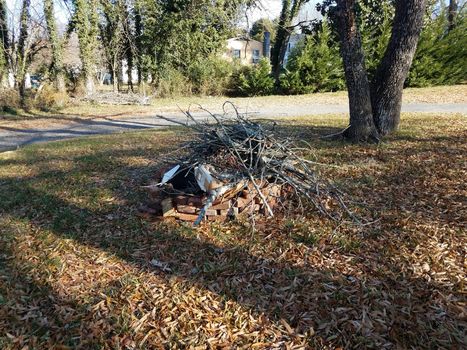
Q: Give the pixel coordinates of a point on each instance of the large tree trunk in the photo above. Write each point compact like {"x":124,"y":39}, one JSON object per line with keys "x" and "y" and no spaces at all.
{"x":4,"y":45}
{"x":56,"y":68}
{"x":361,"y":126}
{"x":452,"y":14}
{"x":390,"y":76}
{"x":376,"y":113}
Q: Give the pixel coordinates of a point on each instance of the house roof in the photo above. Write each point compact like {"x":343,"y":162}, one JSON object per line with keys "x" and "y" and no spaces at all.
{"x":242,"y":38}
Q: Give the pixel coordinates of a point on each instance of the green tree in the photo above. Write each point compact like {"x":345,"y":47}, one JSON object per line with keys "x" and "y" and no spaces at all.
{"x":255,"y":80}
{"x":290,"y":10}
{"x":315,"y":65}
{"x":441,"y":56}
{"x":56,"y":44}
{"x":375,"y":24}
{"x":177,"y":34}
{"x":113,"y":36}
{"x":261,"y":26}
{"x":86,"y":25}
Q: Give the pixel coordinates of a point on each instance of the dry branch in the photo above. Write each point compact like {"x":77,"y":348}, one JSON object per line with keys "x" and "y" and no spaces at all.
{"x":237,"y":150}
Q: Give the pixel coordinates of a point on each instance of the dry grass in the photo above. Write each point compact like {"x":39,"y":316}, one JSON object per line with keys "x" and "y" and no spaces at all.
{"x":439,"y":94}
{"x":75,"y":259}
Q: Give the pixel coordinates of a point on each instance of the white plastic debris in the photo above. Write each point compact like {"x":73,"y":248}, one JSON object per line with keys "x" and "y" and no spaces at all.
{"x":169,"y":175}
{"x":205,"y":180}
{"x":160,"y":265}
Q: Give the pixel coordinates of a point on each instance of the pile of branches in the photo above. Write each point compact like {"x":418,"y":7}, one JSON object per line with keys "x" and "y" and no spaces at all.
{"x":237,"y":150}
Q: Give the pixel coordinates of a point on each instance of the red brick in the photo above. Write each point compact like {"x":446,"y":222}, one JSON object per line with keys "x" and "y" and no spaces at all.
{"x":187,"y":209}
{"x":242,"y":202}
{"x":195,"y":201}
{"x":211,"y":212}
{"x":181,"y":200}
{"x":222,"y":206}
{"x":167,"y":207}
{"x":187,"y":217}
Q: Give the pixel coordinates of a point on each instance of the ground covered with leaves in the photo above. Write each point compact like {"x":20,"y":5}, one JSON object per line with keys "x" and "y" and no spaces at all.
{"x":75,"y":259}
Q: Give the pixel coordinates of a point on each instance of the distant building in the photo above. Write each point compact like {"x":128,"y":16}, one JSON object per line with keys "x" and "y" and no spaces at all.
{"x":246,"y":50}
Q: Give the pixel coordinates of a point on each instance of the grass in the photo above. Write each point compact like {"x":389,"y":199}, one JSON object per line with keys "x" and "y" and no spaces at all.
{"x":75,"y":258}
{"x":438,"y":94}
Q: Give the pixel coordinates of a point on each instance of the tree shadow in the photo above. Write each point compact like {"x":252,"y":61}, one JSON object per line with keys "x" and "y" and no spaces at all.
{"x":394,"y":304}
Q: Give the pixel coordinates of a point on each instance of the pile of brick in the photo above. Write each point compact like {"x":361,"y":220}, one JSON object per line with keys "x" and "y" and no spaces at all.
{"x":233,"y":166}
{"x":240,"y":202}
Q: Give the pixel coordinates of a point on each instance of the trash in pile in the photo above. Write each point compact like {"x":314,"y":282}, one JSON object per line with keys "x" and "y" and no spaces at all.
{"x":234,"y":167}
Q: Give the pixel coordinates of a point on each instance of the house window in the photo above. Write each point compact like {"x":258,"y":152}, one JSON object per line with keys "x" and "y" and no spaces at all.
{"x":236,"y":54}
{"x":256,"y":57}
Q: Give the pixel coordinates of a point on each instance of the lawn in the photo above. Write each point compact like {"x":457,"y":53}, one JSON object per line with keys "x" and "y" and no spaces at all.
{"x":75,"y":257}
{"x":76,"y":109}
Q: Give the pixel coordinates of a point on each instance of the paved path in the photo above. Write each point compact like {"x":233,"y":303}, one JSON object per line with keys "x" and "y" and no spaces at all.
{"x":12,"y":138}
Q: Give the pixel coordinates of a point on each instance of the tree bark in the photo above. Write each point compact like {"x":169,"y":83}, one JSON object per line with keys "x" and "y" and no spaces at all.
{"x":290,"y":9}
{"x":138,"y":41}
{"x":361,"y":127}
{"x":376,"y":112}
{"x":22,"y":52}
{"x":56,"y":67}
{"x":129,"y":41}
{"x":390,"y":76}
{"x":4,"y":45}
{"x":452,"y":14}
{"x":86,"y":25}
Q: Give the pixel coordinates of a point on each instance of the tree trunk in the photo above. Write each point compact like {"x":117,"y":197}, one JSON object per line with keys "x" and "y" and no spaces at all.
{"x":4,"y":45}
{"x":361,"y":126}
{"x":87,"y":29}
{"x":453,"y":6}
{"x":56,"y":68}
{"x":114,"y":76}
{"x":390,"y":76}
{"x":138,"y":41}
{"x":129,"y":42}
{"x":22,"y":52}
{"x":290,"y":10}
{"x":281,"y":39}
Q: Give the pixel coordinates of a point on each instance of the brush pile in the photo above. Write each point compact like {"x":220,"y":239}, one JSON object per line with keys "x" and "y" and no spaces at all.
{"x":236,"y":166}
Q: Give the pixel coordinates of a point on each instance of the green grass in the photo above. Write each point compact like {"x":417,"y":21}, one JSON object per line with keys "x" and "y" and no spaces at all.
{"x":75,"y":257}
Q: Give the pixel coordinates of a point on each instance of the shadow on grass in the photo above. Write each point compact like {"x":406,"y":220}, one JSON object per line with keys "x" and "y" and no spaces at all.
{"x":303,"y":295}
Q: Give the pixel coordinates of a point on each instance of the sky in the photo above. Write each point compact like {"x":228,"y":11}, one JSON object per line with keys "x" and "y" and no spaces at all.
{"x":272,"y":9}
{"x":266,"y":8}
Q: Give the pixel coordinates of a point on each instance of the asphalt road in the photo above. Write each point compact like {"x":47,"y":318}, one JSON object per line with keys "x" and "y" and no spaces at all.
{"x":13,"y":138}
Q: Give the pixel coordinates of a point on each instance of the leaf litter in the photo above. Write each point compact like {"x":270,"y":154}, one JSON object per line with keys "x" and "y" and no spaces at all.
{"x":299,"y":283}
